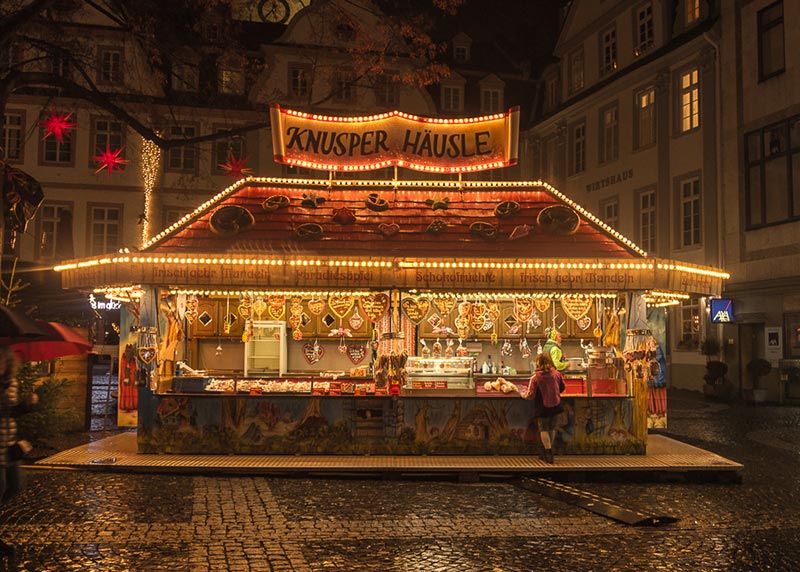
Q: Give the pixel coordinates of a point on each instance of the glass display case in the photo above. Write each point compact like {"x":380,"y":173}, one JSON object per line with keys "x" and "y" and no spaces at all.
{"x":440,"y":373}
{"x":265,"y":352}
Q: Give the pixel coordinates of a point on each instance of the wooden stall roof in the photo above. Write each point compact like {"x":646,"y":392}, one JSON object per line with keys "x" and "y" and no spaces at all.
{"x":400,"y":231}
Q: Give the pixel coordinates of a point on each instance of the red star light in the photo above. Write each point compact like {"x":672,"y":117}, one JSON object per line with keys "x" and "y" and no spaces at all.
{"x":57,"y":124}
{"x":109,"y":159}
{"x":236,"y":168}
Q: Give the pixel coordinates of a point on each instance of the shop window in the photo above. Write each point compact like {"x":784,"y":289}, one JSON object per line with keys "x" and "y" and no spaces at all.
{"x":771,"y":50}
{"x":645,"y":118}
{"x":690,"y":325}
{"x":12,"y":142}
{"x":608,"y":51}
{"x":578,"y":148}
{"x":609,"y":134}
{"x":104,"y":229}
{"x":647,"y":220}
{"x":689,"y":100}
{"x":690,"y":212}
{"x":183,"y":157}
{"x":576,"y":80}
{"x":772,"y":178}
{"x":644,"y":29}
{"x":110,"y":71}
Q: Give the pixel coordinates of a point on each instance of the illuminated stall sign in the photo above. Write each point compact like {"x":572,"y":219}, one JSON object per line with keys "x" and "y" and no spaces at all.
{"x":395,"y":138}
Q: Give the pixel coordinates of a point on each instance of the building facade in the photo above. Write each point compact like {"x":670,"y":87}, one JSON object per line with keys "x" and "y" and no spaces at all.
{"x":627,"y":124}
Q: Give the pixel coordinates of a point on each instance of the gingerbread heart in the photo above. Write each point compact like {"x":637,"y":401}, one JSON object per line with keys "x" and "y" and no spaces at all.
{"x":244,"y":311}
{"x":313,"y":353}
{"x":341,"y":304}
{"x":493,"y":311}
{"x":576,"y":306}
{"x":523,"y":308}
{"x":191,"y":303}
{"x":584,"y":322}
{"x":259,"y":307}
{"x":190,"y":315}
{"x":146,"y":354}
{"x":464,"y":308}
{"x":276,"y":307}
{"x":357,"y":353}
{"x":388,"y":230}
{"x":445,"y":305}
{"x":295,"y":321}
{"x":415,"y":308}
{"x":356,"y":321}
{"x":478,"y":316}
{"x":374,"y":306}
{"x":542,"y":304}
{"x":316,"y":306}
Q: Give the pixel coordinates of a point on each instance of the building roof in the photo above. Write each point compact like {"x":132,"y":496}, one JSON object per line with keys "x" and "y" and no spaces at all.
{"x":404,"y":222}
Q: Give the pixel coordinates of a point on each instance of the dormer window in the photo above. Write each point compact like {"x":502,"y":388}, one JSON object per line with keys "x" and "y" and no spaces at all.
{"x":461,"y":53}
{"x":461,"y":48}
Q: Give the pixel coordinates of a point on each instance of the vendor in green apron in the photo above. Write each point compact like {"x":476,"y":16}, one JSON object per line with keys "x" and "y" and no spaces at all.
{"x":552,"y":347}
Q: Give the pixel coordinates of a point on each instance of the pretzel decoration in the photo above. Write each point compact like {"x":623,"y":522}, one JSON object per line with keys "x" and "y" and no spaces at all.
{"x":230,"y":220}
{"x":375,"y":202}
{"x":312,"y":200}
{"x":484,"y":230}
{"x":436,"y":227}
{"x":275,"y":202}
{"x":438,"y":203}
{"x":506,"y":209}
{"x":308,"y":231}
{"x":559,"y":219}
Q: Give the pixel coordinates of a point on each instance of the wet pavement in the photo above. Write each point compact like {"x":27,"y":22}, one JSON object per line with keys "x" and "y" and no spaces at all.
{"x":78,"y":520}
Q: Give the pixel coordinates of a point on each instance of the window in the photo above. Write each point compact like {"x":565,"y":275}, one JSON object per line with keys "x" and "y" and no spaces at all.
{"x":451,"y":98}
{"x":609,"y":134}
{"x":224,"y":147}
{"x":647,"y":220}
{"x":608,"y":51}
{"x":344,"y":86}
{"x":692,"y":11}
{"x":552,"y":93}
{"x":772,"y":179}
{"x":644,"y":29}
{"x":609,"y":212}
{"x":172,"y":215}
{"x":12,"y":143}
{"x":576,"y":71}
{"x":110,"y":66}
{"x":549,"y":159}
{"x":771,"y":52}
{"x":55,"y":152}
{"x":690,"y":325}
{"x":690,"y":212}
{"x":491,"y":100}
{"x":690,"y":100}
{"x":231,"y":80}
{"x":9,"y":55}
{"x":185,"y":76}
{"x":184,"y":157}
{"x":299,"y":80}
{"x":59,"y":65}
{"x":387,"y":91}
{"x":54,"y":232}
{"x":645,"y":118}
{"x":104,"y":227}
{"x":107,"y":133}
{"x":461,"y":53}
{"x":578,"y":148}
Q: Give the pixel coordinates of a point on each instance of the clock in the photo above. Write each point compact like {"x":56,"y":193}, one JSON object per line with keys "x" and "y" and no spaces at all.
{"x":275,"y":11}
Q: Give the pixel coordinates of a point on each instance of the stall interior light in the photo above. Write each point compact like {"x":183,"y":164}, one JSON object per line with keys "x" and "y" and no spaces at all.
{"x":264,"y":293}
{"x":122,"y":293}
{"x":576,"y":265}
{"x":513,"y":295}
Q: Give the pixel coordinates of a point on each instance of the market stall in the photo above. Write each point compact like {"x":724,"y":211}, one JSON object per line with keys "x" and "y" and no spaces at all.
{"x":386,"y":317}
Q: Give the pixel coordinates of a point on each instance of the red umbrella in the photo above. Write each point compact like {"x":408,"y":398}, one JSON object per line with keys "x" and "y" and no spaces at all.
{"x":58,"y":340}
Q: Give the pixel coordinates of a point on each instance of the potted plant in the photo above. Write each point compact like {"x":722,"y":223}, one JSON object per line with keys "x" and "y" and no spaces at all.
{"x":757,"y":368}
{"x":716,"y":383}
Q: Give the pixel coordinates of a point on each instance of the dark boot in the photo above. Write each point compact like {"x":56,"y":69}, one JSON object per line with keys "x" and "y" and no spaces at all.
{"x":548,"y":456}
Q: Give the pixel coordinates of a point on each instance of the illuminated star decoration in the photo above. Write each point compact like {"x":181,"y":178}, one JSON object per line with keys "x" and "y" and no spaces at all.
{"x":236,"y":168}
{"x":109,"y":159}
{"x":57,"y":124}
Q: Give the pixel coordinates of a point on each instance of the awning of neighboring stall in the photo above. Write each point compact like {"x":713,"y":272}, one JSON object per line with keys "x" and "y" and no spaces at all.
{"x":267,"y":233}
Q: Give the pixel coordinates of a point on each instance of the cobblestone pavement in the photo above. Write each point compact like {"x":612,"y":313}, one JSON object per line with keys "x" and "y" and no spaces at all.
{"x":76,"y":520}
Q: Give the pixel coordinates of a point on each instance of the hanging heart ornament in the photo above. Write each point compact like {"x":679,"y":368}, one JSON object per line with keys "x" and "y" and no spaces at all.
{"x":146,"y":354}
{"x":478,"y":316}
{"x":191,"y":303}
{"x":356,"y":321}
{"x":190,"y":315}
{"x":316,"y":306}
{"x":444,"y":305}
{"x":542,"y":304}
{"x":341,"y":304}
{"x":415,"y":308}
{"x":584,"y":322}
{"x":374,"y":306}
{"x":576,"y":306}
{"x":493,"y":311}
{"x":357,"y":353}
{"x":313,"y":353}
{"x":259,"y":307}
{"x":276,"y":306}
{"x":523,"y":308}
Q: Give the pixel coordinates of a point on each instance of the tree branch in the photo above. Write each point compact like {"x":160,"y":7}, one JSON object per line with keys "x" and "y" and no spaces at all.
{"x":18,"y":21}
